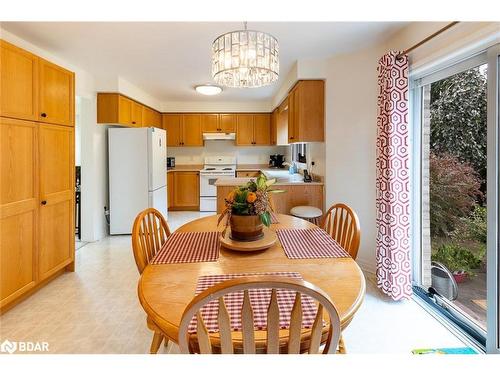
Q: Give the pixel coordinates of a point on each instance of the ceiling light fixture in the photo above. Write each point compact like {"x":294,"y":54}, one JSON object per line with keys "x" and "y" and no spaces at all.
{"x":245,"y":58}
{"x":208,"y":89}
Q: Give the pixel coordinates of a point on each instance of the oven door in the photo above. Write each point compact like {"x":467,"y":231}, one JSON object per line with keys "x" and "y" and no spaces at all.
{"x":207,"y":185}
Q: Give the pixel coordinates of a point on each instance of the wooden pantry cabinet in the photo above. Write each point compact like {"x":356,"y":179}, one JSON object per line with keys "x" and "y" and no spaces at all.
{"x":35,"y":89}
{"x":253,"y":129}
{"x":37,"y":173}
{"x":183,"y":129}
{"x":114,"y":108}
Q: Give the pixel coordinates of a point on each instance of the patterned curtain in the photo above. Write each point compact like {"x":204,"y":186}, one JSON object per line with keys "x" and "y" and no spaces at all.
{"x":393,"y":190}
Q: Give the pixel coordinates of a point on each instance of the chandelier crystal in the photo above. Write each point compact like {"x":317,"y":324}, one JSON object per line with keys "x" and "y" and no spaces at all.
{"x":245,"y":58}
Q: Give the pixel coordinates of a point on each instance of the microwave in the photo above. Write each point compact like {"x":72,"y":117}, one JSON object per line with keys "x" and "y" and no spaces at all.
{"x":170,"y":162}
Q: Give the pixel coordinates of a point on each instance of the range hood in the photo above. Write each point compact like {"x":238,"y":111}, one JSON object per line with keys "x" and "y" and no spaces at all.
{"x":219,"y":136}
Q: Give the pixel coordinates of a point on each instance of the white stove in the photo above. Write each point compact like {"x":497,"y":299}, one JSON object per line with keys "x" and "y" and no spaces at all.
{"x":215,"y":167}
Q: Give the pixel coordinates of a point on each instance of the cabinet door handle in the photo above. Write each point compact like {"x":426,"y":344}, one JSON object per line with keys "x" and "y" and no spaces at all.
{"x":133,"y":122}
{"x":43,"y":114}
{"x":43,"y":203}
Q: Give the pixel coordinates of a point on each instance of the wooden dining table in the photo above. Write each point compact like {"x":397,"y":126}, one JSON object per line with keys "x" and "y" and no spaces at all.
{"x":166,"y":289}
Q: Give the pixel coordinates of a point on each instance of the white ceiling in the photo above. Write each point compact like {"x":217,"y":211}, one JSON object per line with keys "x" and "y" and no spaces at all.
{"x":167,"y":59}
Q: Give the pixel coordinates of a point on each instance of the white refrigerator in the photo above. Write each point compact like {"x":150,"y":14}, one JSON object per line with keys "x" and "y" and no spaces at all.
{"x":137,"y":174}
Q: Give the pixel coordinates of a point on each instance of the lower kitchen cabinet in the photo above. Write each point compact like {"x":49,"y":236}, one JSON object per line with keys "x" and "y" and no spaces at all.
{"x":293,"y":195}
{"x":170,"y":189}
{"x":186,"y":191}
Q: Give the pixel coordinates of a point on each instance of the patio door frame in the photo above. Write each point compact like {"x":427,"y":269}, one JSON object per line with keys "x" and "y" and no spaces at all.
{"x":493,"y":183}
{"x":491,"y":56}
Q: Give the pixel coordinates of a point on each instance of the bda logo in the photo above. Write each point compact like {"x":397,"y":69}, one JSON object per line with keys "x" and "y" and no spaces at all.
{"x":8,"y":347}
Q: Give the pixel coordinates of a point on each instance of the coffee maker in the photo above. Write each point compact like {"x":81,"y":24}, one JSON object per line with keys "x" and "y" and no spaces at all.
{"x":276,"y":161}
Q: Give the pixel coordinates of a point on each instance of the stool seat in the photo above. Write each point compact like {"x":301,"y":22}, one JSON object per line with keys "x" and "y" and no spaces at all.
{"x":306,"y":212}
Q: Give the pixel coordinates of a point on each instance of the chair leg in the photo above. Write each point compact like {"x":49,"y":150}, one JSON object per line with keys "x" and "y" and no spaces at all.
{"x":341,"y":349}
{"x":155,"y":344}
{"x":166,"y":341}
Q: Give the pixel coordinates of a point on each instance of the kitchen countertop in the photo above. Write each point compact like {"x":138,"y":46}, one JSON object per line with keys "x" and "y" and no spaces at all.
{"x":251,"y":167}
{"x":186,"y":168}
{"x":295,"y":179}
{"x":281,"y":175}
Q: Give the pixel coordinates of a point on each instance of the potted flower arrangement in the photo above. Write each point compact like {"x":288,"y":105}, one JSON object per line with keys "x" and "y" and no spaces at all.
{"x":247,"y":209}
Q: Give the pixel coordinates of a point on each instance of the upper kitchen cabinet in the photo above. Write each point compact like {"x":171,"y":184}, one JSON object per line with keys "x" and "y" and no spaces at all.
{"x":19,"y":80}
{"x":306,"y":112}
{"x":136,"y":114}
{"x":282,"y":123}
{"x":210,"y":123}
{"x":151,"y":118}
{"x":227,"y":123}
{"x":253,"y":129}
{"x":183,"y":129}
{"x":262,"y":129}
{"x":191,"y":130}
{"x":114,"y":108}
{"x":172,"y":123}
{"x":56,"y":94}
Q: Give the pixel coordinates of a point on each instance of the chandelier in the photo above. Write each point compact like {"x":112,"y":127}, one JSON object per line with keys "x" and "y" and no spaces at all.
{"x":245,"y":58}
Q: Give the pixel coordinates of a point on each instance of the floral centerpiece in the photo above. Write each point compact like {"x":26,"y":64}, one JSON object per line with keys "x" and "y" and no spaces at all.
{"x":248,"y":209}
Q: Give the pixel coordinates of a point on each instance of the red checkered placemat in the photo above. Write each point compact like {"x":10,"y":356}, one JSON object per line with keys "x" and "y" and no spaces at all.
{"x":259,"y":299}
{"x":309,"y":244}
{"x":189,"y":247}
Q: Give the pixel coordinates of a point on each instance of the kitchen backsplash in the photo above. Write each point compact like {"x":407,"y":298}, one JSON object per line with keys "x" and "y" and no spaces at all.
{"x":244,"y":155}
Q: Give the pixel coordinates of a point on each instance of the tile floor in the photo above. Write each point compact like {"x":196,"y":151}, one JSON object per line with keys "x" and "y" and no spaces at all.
{"x":96,"y":310}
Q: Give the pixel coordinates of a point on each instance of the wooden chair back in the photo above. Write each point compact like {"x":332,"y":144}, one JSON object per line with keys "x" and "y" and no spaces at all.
{"x":295,"y":340}
{"x":149,"y":233}
{"x":342,"y":223}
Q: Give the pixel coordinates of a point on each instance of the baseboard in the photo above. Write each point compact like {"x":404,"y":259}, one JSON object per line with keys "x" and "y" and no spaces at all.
{"x":367,"y":267}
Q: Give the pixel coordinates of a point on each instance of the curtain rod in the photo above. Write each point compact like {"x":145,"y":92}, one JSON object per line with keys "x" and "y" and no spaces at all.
{"x":423,"y":41}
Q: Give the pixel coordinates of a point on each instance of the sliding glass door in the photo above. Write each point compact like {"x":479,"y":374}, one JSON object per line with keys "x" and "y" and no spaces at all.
{"x":455,"y":195}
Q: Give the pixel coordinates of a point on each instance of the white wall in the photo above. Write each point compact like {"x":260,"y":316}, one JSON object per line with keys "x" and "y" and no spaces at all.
{"x":244,"y":155}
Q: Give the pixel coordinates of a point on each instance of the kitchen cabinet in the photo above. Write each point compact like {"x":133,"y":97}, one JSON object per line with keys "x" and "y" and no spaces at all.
{"x":191,"y":130}
{"x":282,"y":123}
{"x":183,"y":129}
{"x":37,"y":168}
{"x":35,"y":89}
{"x":255,"y":173}
{"x":114,"y":108}
{"x":262,"y":129}
{"x":210,"y":123}
{"x":136,"y":114}
{"x":151,"y":118}
{"x":253,"y":129}
{"x":293,"y":195}
{"x":274,"y":127}
{"x":18,"y":208}
{"x":19,"y":84}
{"x":57,"y":166}
{"x":172,"y":123}
{"x":124,"y":111}
{"x":186,"y":190}
{"x":227,"y":123}
{"x":170,"y":189}
{"x":306,"y":112}
{"x":56,"y":94}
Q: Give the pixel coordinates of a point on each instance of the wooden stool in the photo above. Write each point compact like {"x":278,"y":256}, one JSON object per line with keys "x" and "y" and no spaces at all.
{"x":309,"y":213}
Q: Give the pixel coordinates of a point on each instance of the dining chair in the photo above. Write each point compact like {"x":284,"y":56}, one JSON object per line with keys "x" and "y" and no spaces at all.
{"x":342,"y":223}
{"x":149,"y":233}
{"x":293,"y":340}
